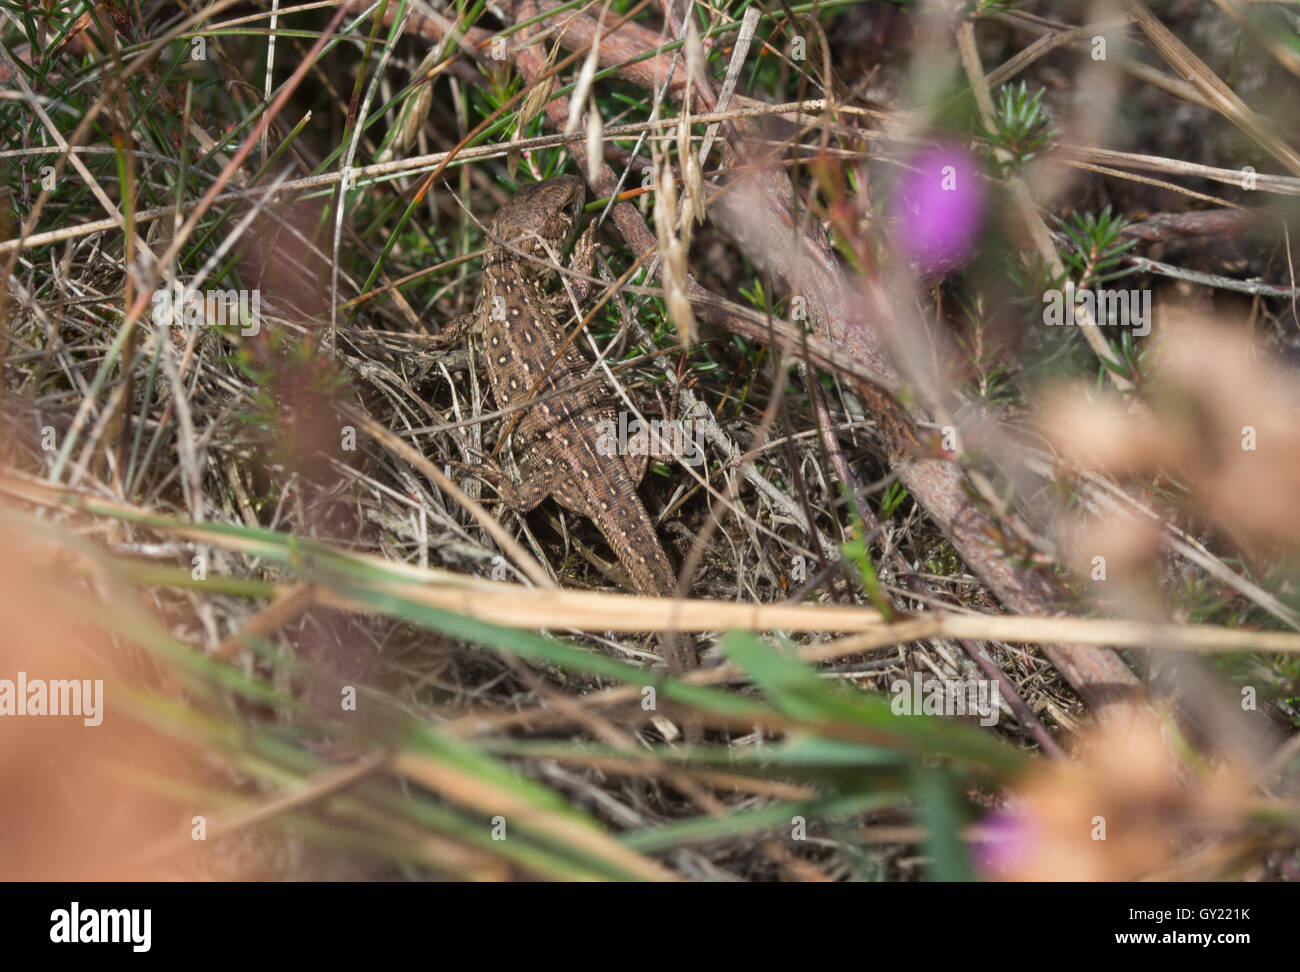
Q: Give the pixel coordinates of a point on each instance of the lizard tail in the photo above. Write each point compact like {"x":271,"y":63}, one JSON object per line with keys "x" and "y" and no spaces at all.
{"x":642,"y":557}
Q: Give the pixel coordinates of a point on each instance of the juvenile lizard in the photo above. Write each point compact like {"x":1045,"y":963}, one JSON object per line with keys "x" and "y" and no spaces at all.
{"x":556,"y":439}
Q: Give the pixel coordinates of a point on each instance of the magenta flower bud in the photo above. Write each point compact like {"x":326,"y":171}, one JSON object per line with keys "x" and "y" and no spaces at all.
{"x":1008,"y":841}
{"x":938,"y":208}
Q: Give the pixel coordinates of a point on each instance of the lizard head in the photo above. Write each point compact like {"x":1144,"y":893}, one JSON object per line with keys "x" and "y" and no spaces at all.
{"x":540,"y":216}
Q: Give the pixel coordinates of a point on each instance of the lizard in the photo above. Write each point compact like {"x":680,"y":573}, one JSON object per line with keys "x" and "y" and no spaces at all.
{"x":556,"y":442}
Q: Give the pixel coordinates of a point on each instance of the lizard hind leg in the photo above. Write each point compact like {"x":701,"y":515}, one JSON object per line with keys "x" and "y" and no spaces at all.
{"x":522,"y":497}
{"x":570,"y":496}
{"x":453,"y":333}
{"x":660,"y":439}
{"x":636,"y":465}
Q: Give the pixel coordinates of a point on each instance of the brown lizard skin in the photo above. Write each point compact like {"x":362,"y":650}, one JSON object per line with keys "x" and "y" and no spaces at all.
{"x":555,"y":441}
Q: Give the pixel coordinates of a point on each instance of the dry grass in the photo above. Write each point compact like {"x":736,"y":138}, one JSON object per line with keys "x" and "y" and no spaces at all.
{"x":356,"y":662}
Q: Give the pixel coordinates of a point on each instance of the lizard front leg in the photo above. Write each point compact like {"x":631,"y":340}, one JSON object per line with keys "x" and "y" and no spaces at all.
{"x":455,"y":331}
{"x":581,"y":262}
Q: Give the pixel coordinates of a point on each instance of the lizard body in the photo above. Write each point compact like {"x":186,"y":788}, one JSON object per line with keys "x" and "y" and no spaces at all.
{"x":556,"y":440}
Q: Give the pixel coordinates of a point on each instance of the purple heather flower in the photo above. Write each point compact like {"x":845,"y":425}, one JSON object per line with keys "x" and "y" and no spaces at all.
{"x":939,"y":208}
{"x":1007,"y":839}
